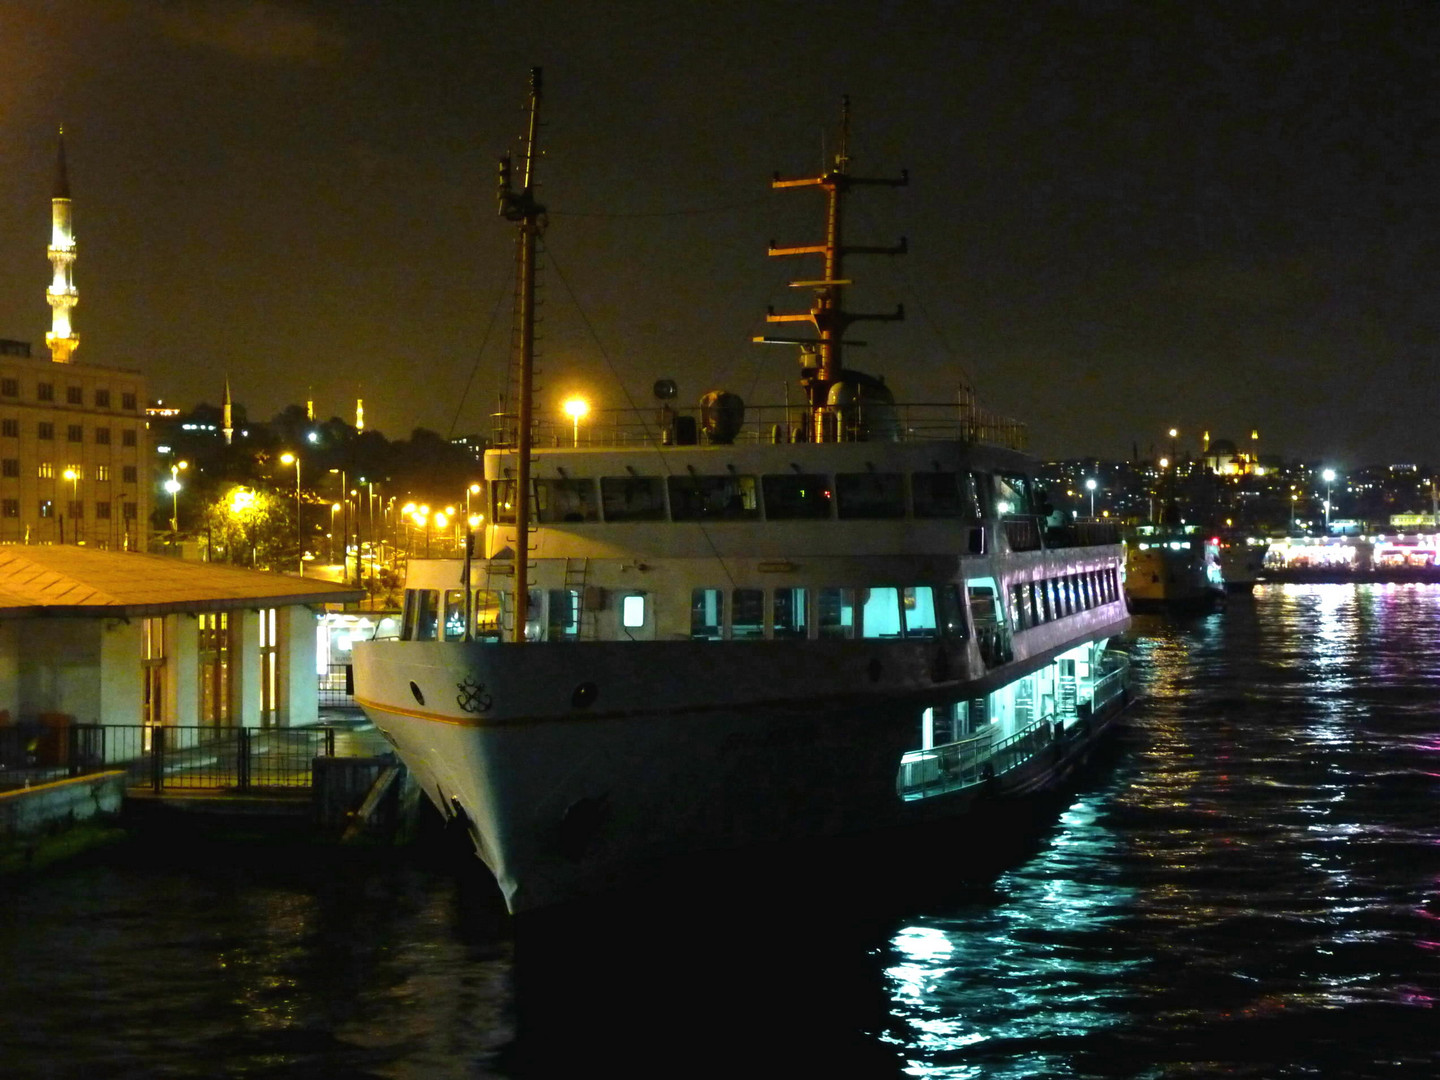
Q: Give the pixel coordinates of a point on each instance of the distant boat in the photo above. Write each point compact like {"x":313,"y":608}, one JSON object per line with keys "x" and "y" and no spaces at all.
{"x":1242,"y":560}
{"x":1173,"y":567}
{"x":732,"y":627}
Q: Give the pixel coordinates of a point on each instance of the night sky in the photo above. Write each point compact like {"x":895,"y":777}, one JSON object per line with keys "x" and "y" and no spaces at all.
{"x":1121,"y":217}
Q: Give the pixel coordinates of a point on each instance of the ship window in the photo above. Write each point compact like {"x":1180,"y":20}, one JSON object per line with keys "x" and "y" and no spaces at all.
{"x":454,"y":614}
{"x":871,"y":495}
{"x":936,"y":495}
{"x":1019,"y":607}
{"x":1032,"y":596}
{"x":1042,"y":602}
{"x":796,"y":495}
{"x":565,"y":500}
{"x":747,"y":616}
{"x":788,"y":611}
{"x":533,"y":612}
{"x":633,"y":498}
{"x":564,"y":614}
{"x":952,"y":615}
{"x":502,"y":509}
{"x":488,"y":613}
{"x":632,"y":611}
{"x":713,"y":498}
{"x":836,"y":613}
{"x":707,"y":614}
{"x":1014,"y":491}
{"x":427,"y":614}
{"x":881,"y":615}
{"x":918,"y":604}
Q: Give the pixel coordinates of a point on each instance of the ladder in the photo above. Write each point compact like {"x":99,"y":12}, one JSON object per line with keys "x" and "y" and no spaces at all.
{"x":577,"y":571}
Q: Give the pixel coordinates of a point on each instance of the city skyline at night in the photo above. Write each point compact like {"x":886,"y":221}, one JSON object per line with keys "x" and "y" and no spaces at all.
{"x":1119,"y":219}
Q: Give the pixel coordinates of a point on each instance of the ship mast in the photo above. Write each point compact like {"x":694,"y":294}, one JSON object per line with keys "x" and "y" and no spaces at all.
{"x":522,"y":208}
{"x":821,"y":355}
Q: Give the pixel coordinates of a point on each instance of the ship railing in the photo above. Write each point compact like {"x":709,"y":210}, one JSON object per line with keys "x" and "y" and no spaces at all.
{"x":662,"y":426}
{"x":1112,"y":683}
{"x":944,"y":768}
{"x":162,"y":757}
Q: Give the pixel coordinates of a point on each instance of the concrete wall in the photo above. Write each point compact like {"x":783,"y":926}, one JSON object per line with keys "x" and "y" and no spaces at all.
{"x":59,"y":661}
{"x":122,"y":689}
{"x":50,"y":807}
{"x":299,"y":685}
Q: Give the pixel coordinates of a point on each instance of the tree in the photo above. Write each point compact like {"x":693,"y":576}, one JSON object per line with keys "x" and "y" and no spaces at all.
{"x":251,"y":527}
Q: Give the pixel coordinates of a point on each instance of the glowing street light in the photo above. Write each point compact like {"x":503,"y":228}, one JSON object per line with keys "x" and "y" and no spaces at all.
{"x":1329,"y":477}
{"x":294,"y":459}
{"x":173,"y":486}
{"x":1090,"y":486}
{"x":576,"y":408}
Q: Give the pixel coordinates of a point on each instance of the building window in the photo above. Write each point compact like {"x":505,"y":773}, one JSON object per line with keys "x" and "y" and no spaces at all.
{"x":47,"y":508}
{"x":102,"y":511}
{"x":10,"y":428}
{"x":102,"y":472}
{"x":9,"y":507}
{"x":45,"y":391}
{"x":74,"y":395}
{"x":130,"y":511}
{"x":127,"y":437}
{"x":152,"y":661}
{"x":270,"y":666}
{"x":10,"y":467}
{"x":127,"y":400}
{"x":45,"y":430}
{"x":127,"y":474}
{"x":45,"y":471}
{"x":102,"y":436}
{"x":75,"y":432}
{"x":214,"y":667}
{"x":102,"y":399}
{"x":9,"y":387}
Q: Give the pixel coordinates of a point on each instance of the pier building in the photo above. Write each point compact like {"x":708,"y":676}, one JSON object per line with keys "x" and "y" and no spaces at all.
{"x":89,"y":636}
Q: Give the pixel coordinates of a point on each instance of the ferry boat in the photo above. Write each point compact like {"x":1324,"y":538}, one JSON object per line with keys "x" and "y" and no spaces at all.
{"x":706,"y":630}
{"x":1242,"y":561}
{"x":1173,"y":567}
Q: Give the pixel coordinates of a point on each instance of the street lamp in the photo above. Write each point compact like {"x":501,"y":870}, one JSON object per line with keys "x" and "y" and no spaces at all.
{"x":173,"y":486}
{"x":1090,"y":487}
{"x":1329,"y":477}
{"x":576,"y":408}
{"x":294,"y":459}
{"x":334,"y":509}
{"x":1294,"y":498}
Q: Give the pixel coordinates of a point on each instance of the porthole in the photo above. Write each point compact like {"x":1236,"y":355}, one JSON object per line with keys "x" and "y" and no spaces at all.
{"x":584,"y":695}
{"x":419,"y":697}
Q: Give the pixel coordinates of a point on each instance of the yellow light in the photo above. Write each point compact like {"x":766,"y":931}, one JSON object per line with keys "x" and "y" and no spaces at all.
{"x":241,"y":500}
{"x":69,"y":474}
{"x":576,"y":408}
{"x":334,"y":508}
{"x":288,"y":458}
{"x":475,"y":520}
{"x":440,"y":521}
{"x":408,"y":508}
{"x":1164,"y":463}
{"x":474,"y":489}
{"x":182,"y":464}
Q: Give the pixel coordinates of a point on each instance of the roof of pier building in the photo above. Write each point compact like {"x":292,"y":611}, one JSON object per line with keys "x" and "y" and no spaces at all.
{"x":55,"y":580}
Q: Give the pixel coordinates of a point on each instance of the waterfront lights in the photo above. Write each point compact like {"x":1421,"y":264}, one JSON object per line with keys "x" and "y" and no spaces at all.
{"x":1329,"y":477}
{"x":576,"y":408}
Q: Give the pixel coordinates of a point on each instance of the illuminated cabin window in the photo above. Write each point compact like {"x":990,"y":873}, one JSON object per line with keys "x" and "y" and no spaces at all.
{"x":880,"y":617}
{"x":489,"y":614}
{"x":707,"y":614}
{"x":788,"y":615}
{"x":632,"y":611}
{"x":870,"y":495}
{"x":713,"y":498}
{"x":422,"y":615}
{"x":795,"y":495}
{"x":633,"y":498}
{"x":454,"y":621}
{"x":564,"y":620}
{"x":1014,"y":491}
{"x":917,"y":603}
{"x":747,"y":615}
{"x":835,"y":613}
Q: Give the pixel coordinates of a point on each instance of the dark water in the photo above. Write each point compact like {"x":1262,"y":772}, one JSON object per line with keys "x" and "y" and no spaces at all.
{"x":1251,"y":888}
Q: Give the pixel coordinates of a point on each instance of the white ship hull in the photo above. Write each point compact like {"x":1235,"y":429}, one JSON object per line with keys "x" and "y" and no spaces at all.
{"x":685,"y":747}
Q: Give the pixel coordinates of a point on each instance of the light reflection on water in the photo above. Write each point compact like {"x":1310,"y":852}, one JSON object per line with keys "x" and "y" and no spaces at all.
{"x":1252,"y":889}
{"x":1253,"y":892}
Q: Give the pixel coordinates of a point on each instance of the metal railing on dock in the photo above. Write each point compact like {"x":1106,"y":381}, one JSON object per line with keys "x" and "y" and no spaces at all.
{"x":166,"y":757}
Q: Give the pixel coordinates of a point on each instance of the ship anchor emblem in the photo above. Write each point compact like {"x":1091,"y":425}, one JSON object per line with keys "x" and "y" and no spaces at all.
{"x":472,"y":697}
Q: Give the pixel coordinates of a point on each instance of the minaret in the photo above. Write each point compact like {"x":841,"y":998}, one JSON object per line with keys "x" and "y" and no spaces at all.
{"x":62,"y":339}
{"x":228,"y":424}
{"x":359,"y":414}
